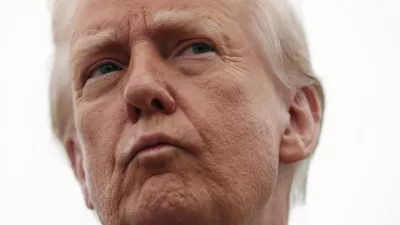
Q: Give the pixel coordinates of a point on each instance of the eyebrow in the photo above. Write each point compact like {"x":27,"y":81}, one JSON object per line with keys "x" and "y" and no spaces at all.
{"x":188,"y":21}
{"x":93,"y":42}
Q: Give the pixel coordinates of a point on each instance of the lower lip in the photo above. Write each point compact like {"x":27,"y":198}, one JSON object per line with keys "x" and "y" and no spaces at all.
{"x":154,"y":152}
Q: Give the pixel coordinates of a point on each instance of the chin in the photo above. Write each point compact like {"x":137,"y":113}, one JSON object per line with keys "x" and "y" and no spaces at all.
{"x":167,"y":199}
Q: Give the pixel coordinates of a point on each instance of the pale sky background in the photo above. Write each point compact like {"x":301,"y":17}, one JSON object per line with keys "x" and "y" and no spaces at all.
{"x":355,"y":175}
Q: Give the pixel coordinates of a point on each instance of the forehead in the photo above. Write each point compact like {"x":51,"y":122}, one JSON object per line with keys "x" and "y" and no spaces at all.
{"x":101,"y":13}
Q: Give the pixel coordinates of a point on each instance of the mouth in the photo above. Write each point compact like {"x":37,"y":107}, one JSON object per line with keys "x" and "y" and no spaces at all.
{"x":151,"y":144}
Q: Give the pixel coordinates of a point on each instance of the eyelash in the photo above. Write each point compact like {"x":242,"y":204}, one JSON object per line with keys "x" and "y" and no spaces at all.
{"x":178,"y":50}
{"x":97,"y":65}
{"x":184,"y":44}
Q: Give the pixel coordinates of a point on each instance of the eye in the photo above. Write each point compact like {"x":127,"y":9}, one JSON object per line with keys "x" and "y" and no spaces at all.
{"x":196,"y":49}
{"x":103,"y":69}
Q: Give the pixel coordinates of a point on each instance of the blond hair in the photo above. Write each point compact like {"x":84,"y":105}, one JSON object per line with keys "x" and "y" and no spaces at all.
{"x":275,"y":26}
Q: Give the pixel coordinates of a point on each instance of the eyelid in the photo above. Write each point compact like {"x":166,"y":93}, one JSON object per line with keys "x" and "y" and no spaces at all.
{"x":183,"y":45}
{"x":95,"y":66}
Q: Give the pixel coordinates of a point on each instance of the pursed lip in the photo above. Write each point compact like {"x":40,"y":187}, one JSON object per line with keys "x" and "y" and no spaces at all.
{"x":147,"y":141}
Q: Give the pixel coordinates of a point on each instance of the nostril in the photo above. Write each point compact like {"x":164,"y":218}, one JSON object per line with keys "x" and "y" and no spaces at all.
{"x":138,"y":111}
{"x":157,"y":103}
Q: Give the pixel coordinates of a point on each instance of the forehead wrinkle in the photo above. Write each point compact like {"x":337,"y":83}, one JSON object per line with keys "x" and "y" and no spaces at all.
{"x":177,"y":18}
{"x":96,"y":35}
{"x":110,"y":23}
{"x":192,"y":22}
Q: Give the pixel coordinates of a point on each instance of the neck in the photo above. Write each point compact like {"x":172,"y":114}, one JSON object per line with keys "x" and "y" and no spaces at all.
{"x":276,"y":211}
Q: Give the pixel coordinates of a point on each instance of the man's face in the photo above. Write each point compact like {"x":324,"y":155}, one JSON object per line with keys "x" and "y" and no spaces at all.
{"x":184,"y":77}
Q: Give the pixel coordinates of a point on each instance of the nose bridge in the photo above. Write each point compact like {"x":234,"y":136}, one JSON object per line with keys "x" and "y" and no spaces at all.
{"x":146,"y":92}
{"x":144,"y":69}
{"x":143,"y":73}
{"x":145,"y":59}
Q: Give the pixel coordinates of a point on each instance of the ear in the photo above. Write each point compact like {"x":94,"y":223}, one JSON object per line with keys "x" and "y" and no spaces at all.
{"x":302,"y":129}
{"x":76,"y":160}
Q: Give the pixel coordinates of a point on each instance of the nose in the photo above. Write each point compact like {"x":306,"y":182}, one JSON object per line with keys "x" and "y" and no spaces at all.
{"x":146,"y":92}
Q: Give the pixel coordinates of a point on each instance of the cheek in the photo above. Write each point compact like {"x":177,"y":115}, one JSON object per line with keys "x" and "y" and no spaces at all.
{"x":100,"y":123}
{"x":233,"y":114}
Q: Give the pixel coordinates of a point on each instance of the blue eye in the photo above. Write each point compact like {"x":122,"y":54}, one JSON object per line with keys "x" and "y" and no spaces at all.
{"x":200,"y":48}
{"x":105,"y":68}
{"x":197,"y":49}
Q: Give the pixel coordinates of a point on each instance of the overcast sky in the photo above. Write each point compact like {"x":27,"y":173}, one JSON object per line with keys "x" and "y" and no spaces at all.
{"x":355,"y":175}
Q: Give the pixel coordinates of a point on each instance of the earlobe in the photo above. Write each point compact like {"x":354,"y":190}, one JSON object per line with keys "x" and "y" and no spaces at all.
{"x":292,"y":147}
{"x":86,"y":196}
{"x":76,"y":161}
{"x":302,"y":129}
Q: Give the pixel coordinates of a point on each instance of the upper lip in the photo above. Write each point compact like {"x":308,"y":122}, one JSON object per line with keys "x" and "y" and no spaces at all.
{"x":150,"y":140}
